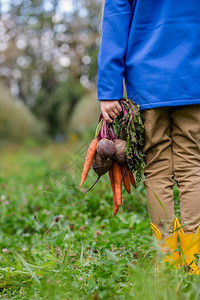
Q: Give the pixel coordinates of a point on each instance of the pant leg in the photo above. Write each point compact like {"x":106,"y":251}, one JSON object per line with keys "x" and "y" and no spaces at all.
{"x":185,"y":122}
{"x":158,"y":170}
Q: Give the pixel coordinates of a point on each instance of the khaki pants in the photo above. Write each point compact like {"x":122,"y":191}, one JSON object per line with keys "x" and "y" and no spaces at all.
{"x":172,"y":148}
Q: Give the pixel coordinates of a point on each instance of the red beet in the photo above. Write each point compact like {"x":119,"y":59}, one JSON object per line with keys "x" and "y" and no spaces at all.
{"x":106,"y":148}
{"x":101,"y":165}
{"x":120,"y":154}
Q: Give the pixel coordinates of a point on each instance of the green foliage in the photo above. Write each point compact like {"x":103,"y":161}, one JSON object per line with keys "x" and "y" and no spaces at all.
{"x":17,"y":123}
{"x":57,"y":244}
{"x":130,"y":127}
{"x":55,"y":103}
{"x":43,"y":34}
{"x":92,"y":72}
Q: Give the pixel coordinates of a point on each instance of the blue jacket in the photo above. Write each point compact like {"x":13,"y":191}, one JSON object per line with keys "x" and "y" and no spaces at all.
{"x":155,"y":46}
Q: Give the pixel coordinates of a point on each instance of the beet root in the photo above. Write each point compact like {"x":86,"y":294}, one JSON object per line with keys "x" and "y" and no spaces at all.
{"x":101,"y":165}
{"x":120,"y":153}
{"x":106,"y":148}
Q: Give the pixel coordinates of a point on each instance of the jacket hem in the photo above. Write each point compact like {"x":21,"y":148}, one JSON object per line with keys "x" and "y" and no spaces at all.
{"x":110,"y":99}
{"x":168,"y":103}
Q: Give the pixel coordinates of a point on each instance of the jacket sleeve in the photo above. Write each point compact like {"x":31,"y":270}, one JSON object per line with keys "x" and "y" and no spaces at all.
{"x":117,"y":17}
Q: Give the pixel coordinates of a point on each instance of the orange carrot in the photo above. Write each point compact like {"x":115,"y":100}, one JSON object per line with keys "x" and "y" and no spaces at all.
{"x":126,"y":179}
{"x":118,"y":180}
{"x":88,"y":160}
{"x":132,"y":178}
{"x":112,"y":182}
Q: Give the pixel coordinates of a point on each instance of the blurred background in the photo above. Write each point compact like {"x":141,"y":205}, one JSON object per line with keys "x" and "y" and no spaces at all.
{"x":56,"y":243}
{"x":48,"y":68}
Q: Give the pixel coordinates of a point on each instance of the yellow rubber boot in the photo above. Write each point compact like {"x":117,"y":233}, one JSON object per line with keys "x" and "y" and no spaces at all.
{"x":190,"y":245}
{"x":168,"y":245}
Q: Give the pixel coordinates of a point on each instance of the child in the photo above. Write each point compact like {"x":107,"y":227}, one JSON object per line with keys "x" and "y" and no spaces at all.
{"x":155,"y":46}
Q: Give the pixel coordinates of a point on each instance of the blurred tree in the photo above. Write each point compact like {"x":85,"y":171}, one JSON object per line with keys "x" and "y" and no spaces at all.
{"x":36,"y":34}
{"x":55,"y":106}
{"x":46,"y":42}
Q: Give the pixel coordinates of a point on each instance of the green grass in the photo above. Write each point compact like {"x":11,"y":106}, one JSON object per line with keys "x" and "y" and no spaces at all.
{"x":86,"y":254}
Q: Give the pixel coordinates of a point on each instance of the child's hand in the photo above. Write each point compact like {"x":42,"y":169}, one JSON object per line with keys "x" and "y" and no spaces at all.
{"x":110,"y":109}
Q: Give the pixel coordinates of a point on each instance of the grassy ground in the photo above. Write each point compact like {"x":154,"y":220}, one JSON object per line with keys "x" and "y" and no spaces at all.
{"x":57,"y":244}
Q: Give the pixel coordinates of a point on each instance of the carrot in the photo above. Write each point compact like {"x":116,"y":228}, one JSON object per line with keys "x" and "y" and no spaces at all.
{"x":112,"y":182}
{"x":118,"y":179}
{"x":126,"y":179}
{"x":88,"y":160}
{"x":132,"y":178}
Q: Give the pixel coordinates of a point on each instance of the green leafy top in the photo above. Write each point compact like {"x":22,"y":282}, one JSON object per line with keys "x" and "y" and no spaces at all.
{"x":129,"y":126}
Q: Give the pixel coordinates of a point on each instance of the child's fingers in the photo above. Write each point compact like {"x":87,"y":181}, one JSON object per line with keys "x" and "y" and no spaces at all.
{"x":112,"y":114}
{"x":107,"y":117}
{"x":110,"y":109}
{"x":115,"y":110}
{"x":118,"y":107}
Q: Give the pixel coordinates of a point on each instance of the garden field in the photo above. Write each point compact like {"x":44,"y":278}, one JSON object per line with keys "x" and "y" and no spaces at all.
{"x":56,"y":243}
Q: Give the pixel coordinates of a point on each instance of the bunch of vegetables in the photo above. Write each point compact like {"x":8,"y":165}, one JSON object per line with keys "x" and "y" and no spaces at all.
{"x":117,"y":149}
